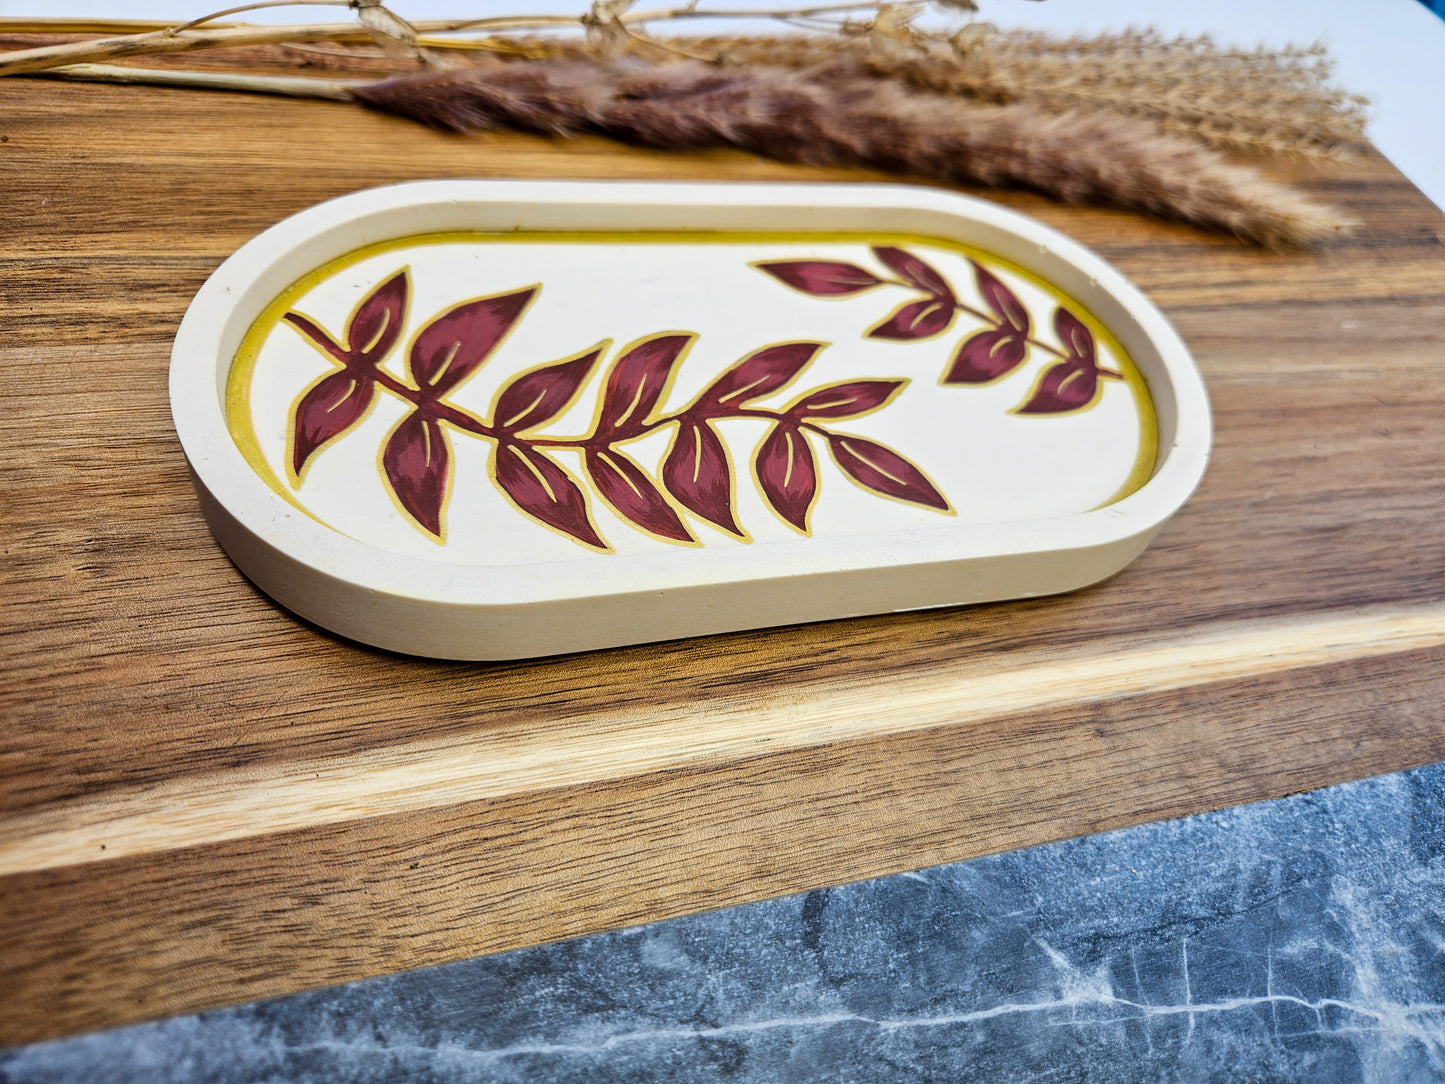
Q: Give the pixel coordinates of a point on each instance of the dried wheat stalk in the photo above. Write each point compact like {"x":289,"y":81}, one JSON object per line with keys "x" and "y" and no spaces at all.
{"x":1277,"y":101}
{"x":1252,"y":101}
{"x":819,"y":117}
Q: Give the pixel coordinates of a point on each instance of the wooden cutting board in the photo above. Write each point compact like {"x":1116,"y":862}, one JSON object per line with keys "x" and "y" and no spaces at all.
{"x":204,"y":800}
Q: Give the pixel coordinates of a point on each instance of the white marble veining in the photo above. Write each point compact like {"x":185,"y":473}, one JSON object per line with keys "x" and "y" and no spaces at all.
{"x":1296,"y":940}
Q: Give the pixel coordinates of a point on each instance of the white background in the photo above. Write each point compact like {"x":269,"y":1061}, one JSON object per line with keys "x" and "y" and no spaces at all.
{"x":1392,"y":51}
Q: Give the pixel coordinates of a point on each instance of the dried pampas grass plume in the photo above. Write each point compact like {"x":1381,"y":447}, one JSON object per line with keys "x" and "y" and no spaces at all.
{"x":819,"y":116}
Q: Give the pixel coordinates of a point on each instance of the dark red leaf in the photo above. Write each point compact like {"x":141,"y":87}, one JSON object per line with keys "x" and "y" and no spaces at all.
{"x":638,"y":380}
{"x":1077,"y":339}
{"x":316,"y":334}
{"x":540,"y":394}
{"x":1001,"y":300}
{"x":698,"y":475}
{"x":884,"y":471}
{"x":757,"y":375}
{"x":1072,"y":384}
{"x":845,"y":400}
{"x":371,"y":330}
{"x":633,"y":495}
{"x":1069,"y":385}
{"x":787,"y":474}
{"x":451,"y":347}
{"x":329,"y":408}
{"x":821,"y":278}
{"x":916,"y":320}
{"x":418,"y":467}
{"x":914,"y":271}
{"x":376,"y":324}
{"x":545,"y":491}
{"x":986,"y":356}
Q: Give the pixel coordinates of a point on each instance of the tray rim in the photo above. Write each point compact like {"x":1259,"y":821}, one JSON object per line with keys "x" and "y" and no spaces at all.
{"x":349,"y":585}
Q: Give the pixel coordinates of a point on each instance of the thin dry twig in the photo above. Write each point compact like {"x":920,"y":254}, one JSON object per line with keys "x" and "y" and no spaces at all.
{"x":299,"y":86}
{"x":257,"y":6}
{"x":152,"y":43}
{"x":171,"y":40}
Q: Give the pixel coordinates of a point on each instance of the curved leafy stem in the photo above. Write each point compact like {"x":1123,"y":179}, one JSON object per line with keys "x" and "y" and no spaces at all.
{"x":696,"y":476}
{"x":983,"y":356}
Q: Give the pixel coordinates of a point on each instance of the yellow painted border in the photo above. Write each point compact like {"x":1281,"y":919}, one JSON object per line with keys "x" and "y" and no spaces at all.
{"x":238,"y":382}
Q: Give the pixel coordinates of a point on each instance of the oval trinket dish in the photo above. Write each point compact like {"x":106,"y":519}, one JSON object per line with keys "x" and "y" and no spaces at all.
{"x":502,"y":419}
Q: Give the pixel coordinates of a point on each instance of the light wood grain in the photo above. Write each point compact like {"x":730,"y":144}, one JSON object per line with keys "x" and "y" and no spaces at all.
{"x":1284,"y":632}
{"x":607,"y":742}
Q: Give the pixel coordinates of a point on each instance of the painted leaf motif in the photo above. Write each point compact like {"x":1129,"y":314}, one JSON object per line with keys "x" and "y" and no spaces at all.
{"x":334,"y":404}
{"x":542,"y":489}
{"x":914,"y":271}
{"x":1078,"y":340}
{"x":787,"y":474}
{"x":822,"y":278}
{"x":986,"y":356}
{"x":454,"y":345}
{"x":1002,"y":301}
{"x":757,"y":375}
{"x":540,"y":394}
{"x":1072,"y":384}
{"x":632,"y":495}
{"x":916,"y":320}
{"x":372,"y":330}
{"x":1069,"y":385}
{"x":884,"y":471}
{"x":638,"y":380}
{"x":845,"y":400}
{"x":697,"y":473}
{"x":318,"y":335}
{"x":376,"y":324}
{"x":417,"y":467}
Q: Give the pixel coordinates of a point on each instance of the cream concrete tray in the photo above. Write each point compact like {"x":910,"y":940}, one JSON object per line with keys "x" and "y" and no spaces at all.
{"x":500,"y":419}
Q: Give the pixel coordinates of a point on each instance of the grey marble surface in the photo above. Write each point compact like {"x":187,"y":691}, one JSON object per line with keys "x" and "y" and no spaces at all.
{"x":1295,"y":940}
